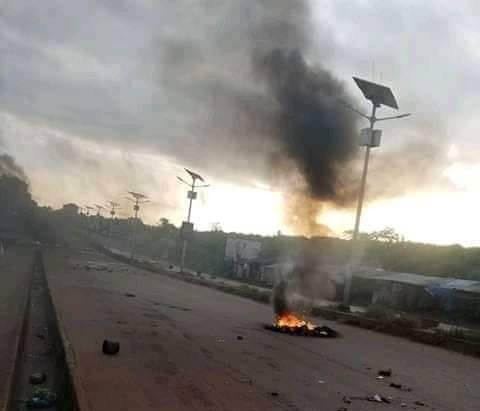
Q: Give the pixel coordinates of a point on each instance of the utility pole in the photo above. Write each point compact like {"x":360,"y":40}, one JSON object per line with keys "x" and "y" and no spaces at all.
{"x":88,"y":208}
{"x":137,"y":199}
{"x":187,"y":227}
{"x":99,"y":215}
{"x":369,"y":138}
{"x":114,"y":206}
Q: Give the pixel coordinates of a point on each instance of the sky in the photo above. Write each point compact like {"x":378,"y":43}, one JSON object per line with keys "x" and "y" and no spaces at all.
{"x":101,"y":97}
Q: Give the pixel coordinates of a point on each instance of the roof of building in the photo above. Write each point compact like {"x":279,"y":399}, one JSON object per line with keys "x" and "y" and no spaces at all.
{"x":446,"y":283}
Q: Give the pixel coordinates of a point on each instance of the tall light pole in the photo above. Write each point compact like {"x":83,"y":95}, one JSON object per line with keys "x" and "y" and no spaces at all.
{"x":137,"y":199}
{"x":88,"y":208}
{"x":113,"y":206}
{"x":187,"y":226}
{"x":100,"y":208}
{"x":370,"y":138}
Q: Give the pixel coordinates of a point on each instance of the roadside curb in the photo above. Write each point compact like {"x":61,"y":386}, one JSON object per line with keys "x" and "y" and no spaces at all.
{"x":79,"y":398}
{"x":20,"y":337}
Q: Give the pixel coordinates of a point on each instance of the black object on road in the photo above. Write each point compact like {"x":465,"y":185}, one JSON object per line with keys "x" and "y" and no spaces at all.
{"x":110,"y":347}
{"x":385,"y":373}
{"x":37,"y":378}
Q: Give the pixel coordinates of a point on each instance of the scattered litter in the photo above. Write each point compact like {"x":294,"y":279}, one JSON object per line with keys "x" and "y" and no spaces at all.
{"x":321,"y":382}
{"x":220,"y":340}
{"x":240,"y":337}
{"x":403,"y":404}
{"x":395,"y":385}
{"x":246,"y":380}
{"x":420,"y":403}
{"x":385,"y":373}
{"x":37,"y":378}
{"x":130,"y":295}
{"x":380,"y":377}
{"x":378,"y":398}
{"x":41,"y":398}
{"x":110,"y":347}
{"x":343,"y":409}
{"x":347,"y":400}
{"x":274,"y":394}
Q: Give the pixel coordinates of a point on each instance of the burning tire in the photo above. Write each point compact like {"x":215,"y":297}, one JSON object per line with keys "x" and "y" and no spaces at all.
{"x":289,"y":323}
{"x":304,"y":331}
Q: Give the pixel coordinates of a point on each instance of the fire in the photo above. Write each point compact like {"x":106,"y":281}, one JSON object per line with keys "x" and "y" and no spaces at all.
{"x":292,"y":321}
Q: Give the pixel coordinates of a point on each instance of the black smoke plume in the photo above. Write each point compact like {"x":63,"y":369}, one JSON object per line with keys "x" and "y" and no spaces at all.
{"x":313,"y":129}
{"x":9,"y":167}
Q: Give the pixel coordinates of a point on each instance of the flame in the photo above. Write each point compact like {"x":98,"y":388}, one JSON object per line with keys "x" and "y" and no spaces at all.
{"x":292,"y":321}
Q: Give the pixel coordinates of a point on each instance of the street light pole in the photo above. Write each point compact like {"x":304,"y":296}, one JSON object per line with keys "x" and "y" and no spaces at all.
{"x":114,"y":206}
{"x":137,"y":199}
{"x":184,"y":245}
{"x":187,"y":227}
{"x":370,"y":138}
{"x":363,"y":182}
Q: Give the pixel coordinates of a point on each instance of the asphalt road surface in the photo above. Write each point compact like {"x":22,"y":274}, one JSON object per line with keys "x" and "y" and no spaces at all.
{"x":15,"y":274}
{"x":180,"y":351}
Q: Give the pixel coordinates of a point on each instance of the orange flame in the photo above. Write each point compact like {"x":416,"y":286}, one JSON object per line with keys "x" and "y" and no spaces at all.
{"x":292,"y":321}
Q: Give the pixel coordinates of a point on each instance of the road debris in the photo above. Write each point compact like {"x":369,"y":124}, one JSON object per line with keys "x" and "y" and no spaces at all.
{"x":380,"y":377}
{"x":274,"y":394}
{"x":378,"y":398}
{"x":129,"y":295}
{"x":385,"y":373}
{"x":304,"y":330}
{"x":420,"y":403}
{"x":400,"y":387}
{"x":346,"y":400}
{"x":37,"y":378}
{"x":239,"y":337}
{"x":343,"y":409}
{"x":41,"y":398}
{"x":321,"y":382}
{"x":110,"y":347}
{"x":403,"y":404}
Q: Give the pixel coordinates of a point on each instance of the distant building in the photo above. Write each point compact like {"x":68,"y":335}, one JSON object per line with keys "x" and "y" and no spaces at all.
{"x":242,"y":256}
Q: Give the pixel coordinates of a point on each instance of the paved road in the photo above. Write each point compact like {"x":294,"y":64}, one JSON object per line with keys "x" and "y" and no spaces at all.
{"x":179,"y":350}
{"x":15,"y":273}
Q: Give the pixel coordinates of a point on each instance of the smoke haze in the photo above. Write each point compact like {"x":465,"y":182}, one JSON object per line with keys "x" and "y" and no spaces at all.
{"x":244,"y":90}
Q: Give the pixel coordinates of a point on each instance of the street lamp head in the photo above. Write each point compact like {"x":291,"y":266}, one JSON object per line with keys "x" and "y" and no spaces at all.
{"x":137,"y":196}
{"x":376,"y":93}
{"x":194,"y":175}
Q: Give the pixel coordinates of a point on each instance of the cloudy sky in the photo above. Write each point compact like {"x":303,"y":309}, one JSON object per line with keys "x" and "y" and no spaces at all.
{"x":101,"y":97}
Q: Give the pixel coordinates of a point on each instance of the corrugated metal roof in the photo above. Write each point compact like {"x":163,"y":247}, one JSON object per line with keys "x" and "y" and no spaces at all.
{"x":446,"y":283}
{"x":469,"y":286}
{"x":409,"y":278}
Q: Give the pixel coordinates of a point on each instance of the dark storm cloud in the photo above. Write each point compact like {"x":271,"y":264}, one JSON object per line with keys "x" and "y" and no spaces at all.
{"x":177,"y":78}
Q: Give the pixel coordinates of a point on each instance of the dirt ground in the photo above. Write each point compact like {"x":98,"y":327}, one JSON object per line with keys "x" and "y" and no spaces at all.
{"x":180,"y":350}
{"x":15,"y":274}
